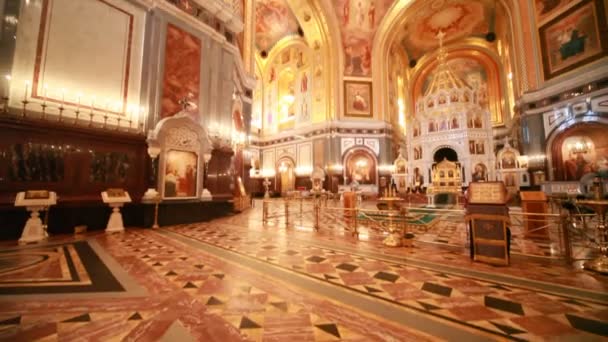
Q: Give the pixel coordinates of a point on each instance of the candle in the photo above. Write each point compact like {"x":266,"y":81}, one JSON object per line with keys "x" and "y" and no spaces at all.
{"x":62,"y":96}
{"x":27,"y":86}
{"x":92,"y":102}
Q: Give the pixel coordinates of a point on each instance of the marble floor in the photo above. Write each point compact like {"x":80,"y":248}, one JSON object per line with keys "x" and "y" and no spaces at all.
{"x":236,"y":279}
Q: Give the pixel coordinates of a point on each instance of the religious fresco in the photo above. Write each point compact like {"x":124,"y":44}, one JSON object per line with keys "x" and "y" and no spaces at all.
{"x":473,"y":73}
{"x":456,"y":18}
{"x":546,"y":8}
{"x":359,"y":20}
{"x":180,"y":174}
{"x":273,"y":21}
{"x":573,"y":38}
{"x":582,"y":155}
{"x":182,"y":70}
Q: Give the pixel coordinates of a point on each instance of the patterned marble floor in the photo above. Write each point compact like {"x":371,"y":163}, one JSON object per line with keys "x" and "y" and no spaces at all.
{"x":235,"y":279}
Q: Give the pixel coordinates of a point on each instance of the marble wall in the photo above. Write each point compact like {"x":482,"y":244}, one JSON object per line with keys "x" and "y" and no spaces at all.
{"x":80,"y":54}
{"x":182,"y":70}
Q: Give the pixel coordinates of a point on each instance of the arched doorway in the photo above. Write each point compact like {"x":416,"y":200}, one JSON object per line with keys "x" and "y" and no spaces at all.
{"x":287,"y":176}
{"x":445,"y":153}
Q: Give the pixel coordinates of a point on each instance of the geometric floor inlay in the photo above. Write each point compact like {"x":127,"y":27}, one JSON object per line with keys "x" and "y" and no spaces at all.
{"x":62,"y":268}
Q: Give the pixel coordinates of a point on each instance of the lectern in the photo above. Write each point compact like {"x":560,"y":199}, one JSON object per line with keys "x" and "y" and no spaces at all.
{"x":488,"y":217}
{"x":535,"y":202}
{"x":115,"y":198}
{"x":35,"y":201}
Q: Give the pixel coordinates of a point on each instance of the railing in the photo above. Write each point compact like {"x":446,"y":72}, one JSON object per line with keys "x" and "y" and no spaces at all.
{"x":566,"y":235}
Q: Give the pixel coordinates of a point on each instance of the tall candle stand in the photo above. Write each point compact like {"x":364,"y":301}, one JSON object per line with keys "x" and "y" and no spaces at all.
{"x":105,"y":120}
{"x":77,"y":115}
{"x":24,"y":102}
{"x":43,"y":105}
{"x":61,"y":109}
{"x":91,"y":117}
{"x":118,"y":123}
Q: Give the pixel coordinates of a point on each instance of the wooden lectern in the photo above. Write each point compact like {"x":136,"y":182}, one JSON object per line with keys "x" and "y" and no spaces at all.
{"x":488,"y":217}
{"x":535,"y":202}
{"x":350,"y":202}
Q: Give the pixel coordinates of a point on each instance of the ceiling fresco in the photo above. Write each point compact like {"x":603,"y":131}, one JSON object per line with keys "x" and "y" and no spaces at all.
{"x":273,"y":21}
{"x":359,"y":20}
{"x":456,"y":18}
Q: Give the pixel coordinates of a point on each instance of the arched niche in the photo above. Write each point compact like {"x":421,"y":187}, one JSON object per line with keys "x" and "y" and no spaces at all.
{"x":475,"y":65}
{"x":360,"y":165}
{"x":578,"y":150}
{"x":287,"y":78}
{"x":183,"y":144}
{"x":510,"y":38}
{"x":285,"y":174}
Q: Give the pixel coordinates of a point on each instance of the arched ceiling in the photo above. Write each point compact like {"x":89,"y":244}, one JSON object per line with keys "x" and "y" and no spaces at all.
{"x":458,"y":19}
{"x":274,"y":20}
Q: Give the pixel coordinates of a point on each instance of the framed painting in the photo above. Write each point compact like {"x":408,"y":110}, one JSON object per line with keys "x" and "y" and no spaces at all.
{"x":547,"y":8}
{"x":573,"y":38}
{"x":179,"y":178}
{"x":358,"y":99}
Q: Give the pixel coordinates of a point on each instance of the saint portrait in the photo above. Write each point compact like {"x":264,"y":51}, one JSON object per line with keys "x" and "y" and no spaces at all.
{"x":358,"y":96}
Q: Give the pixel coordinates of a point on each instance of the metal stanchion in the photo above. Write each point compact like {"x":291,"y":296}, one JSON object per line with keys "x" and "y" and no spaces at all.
{"x":565,"y":235}
{"x":264,"y":211}
{"x":286,"y":212}
{"x":355,"y":229}
{"x":317,"y":210}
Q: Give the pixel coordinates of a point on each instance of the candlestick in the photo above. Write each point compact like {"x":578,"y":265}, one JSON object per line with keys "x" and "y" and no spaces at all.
{"x":61,"y":106}
{"x":118,"y":125}
{"x":78,"y":102}
{"x":45,"y":90}
{"x":91,"y":112}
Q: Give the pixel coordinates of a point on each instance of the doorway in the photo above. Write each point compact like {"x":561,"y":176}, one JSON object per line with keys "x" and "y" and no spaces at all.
{"x":287,"y":175}
{"x":445,"y":153}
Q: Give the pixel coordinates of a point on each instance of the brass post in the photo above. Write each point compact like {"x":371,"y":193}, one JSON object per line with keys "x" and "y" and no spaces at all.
{"x":355,"y":230}
{"x":565,"y":236}
{"x":316,"y":211}
{"x":264,"y":211}
{"x":286,"y":211}
{"x":155,"y":224}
